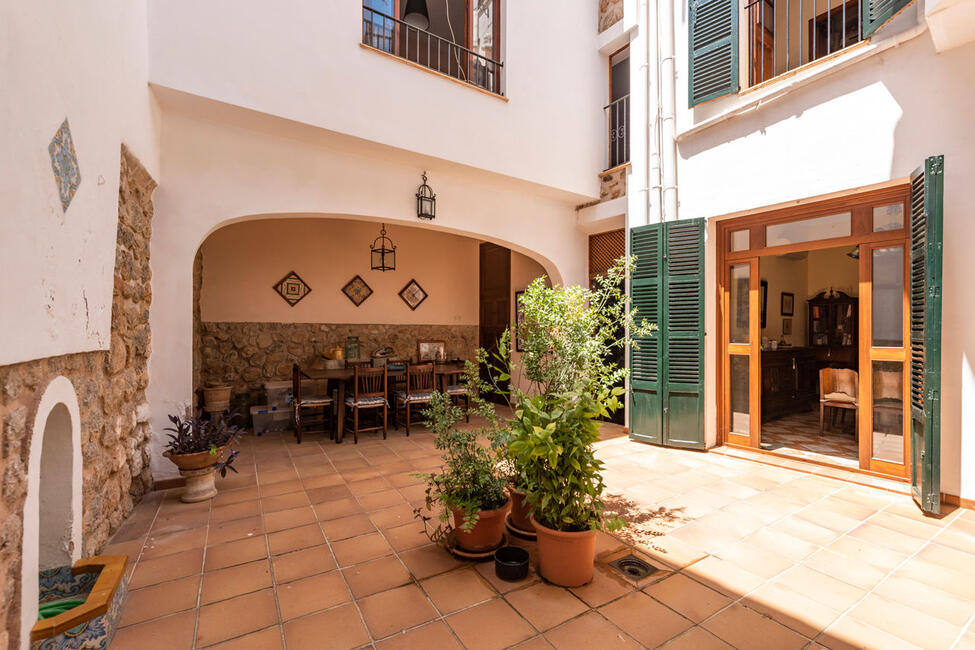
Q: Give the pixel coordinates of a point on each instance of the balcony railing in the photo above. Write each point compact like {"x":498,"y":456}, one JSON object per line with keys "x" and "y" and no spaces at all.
{"x":786,"y":34}
{"x":424,"y":48}
{"x":617,"y":125}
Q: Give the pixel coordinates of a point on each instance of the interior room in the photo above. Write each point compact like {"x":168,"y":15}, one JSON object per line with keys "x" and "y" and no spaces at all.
{"x":809,"y":321}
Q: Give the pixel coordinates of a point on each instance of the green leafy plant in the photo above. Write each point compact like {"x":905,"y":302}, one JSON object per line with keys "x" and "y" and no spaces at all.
{"x":564,"y":381}
{"x":196,"y":434}
{"x":471,"y":479}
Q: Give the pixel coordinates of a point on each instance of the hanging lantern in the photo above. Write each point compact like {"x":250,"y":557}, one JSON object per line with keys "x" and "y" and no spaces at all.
{"x":383,"y":252}
{"x":416,"y":15}
{"x":426,"y":201}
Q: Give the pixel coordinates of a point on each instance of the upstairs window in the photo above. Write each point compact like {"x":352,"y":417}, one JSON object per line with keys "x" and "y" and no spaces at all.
{"x":773,"y":37}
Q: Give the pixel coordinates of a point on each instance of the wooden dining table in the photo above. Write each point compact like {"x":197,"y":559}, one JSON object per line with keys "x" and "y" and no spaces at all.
{"x":442,"y":370}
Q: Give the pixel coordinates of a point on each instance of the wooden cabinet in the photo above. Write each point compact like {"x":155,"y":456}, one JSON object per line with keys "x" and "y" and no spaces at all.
{"x":833,"y":329}
{"x":789,"y":381}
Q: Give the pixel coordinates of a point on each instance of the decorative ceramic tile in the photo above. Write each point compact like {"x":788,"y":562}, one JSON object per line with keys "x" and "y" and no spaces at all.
{"x":413,"y":294}
{"x":64,"y":162}
{"x":357,"y":290}
{"x":292,"y":288}
{"x":95,"y":633}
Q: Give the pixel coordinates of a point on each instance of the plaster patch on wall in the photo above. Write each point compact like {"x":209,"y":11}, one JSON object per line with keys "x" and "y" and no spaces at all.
{"x":64,"y":162}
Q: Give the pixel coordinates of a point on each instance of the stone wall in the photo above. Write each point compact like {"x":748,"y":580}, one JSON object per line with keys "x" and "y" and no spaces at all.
{"x":246,"y":355}
{"x":612,"y":185}
{"x":610,"y":12}
{"x":110,"y":385}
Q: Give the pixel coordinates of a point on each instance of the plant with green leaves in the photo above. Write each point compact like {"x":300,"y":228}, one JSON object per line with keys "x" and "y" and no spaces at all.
{"x":565,"y":380}
{"x":470,"y":479}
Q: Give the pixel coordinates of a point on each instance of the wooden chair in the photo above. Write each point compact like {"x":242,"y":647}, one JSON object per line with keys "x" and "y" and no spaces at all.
{"x":456,"y":391}
{"x":301,"y":400}
{"x":838,"y":389}
{"x":419,"y":390}
{"x":368,"y":392}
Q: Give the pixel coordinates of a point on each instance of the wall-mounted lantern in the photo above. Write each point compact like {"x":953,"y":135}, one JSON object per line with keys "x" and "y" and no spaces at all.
{"x":383,"y":252}
{"x":426,"y":201}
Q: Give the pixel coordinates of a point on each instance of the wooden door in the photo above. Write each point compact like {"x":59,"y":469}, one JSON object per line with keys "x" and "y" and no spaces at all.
{"x":495,"y":296}
{"x":741,"y":361}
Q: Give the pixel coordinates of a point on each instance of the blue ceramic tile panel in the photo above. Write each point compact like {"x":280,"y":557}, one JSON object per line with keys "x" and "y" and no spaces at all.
{"x":64,"y":162}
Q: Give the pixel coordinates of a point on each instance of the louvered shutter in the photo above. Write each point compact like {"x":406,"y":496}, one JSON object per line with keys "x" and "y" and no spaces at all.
{"x":683,"y":341}
{"x":927,"y":184}
{"x":713,"y":45}
{"x":876,"y":12}
{"x":646,"y":243}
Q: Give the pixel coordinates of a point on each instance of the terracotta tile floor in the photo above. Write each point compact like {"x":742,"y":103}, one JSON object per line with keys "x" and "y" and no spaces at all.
{"x":314,"y":546}
{"x":798,"y":435}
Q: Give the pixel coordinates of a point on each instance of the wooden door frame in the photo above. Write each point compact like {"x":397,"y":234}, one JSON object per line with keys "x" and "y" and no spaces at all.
{"x":859,"y":202}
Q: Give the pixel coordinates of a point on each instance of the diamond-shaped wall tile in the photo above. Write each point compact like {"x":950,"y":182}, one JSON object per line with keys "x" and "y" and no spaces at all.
{"x":64,"y":162}
{"x":292,"y":288}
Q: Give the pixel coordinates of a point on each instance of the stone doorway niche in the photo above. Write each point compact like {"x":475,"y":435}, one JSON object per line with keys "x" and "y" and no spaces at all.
{"x":53,"y":509}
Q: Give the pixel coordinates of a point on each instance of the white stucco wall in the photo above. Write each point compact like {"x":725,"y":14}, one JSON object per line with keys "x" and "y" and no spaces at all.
{"x":223,"y":164}
{"x":302,"y":60}
{"x":87,"y":62}
{"x":872,"y":121}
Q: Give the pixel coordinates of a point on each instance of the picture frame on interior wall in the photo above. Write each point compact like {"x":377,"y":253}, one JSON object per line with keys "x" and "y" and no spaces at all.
{"x":357,"y":290}
{"x":413,"y":294}
{"x":519,"y":319}
{"x":292,"y":288}
{"x":788,"y":304}
{"x":431,"y":351}
{"x":786,"y":326}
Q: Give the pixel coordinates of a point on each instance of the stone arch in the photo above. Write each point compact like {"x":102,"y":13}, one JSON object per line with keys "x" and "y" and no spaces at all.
{"x":52,"y":532}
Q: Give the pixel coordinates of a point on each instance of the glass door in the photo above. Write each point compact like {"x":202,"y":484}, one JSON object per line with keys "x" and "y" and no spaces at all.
{"x":884,"y":422}
{"x":742,"y":369}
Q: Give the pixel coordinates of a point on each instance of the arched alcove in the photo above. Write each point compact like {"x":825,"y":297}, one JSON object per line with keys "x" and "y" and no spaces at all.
{"x":52,"y":510}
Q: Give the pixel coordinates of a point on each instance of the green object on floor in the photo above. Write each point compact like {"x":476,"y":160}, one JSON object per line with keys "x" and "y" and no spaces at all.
{"x":52,"y":609}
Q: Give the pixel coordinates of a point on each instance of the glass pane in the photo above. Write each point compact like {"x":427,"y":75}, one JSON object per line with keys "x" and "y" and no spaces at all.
{"x":739,"y":241}
{"x":377,"y":25}
{"x":794,"y":232}
{"x":739,"y":303}
{"x":888,"y":297}
{"x":740,"y":422}
{"x":888,"y":217}
{"x":484,"y":28}
{"x":888,"y":411}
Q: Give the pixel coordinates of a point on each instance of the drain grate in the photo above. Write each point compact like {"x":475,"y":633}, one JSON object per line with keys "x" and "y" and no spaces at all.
{"x":633,"y":567}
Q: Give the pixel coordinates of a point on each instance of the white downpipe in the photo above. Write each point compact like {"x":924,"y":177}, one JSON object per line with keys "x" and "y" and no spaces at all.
{"x":667,"y":108}
{"x":654,"y":179}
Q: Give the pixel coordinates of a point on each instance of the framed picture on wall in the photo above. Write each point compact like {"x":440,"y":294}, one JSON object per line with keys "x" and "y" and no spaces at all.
{"x":519,"y":319}
{"x":431,"y":351}
{"x":788,"y":304}
{"x":786,"y":326}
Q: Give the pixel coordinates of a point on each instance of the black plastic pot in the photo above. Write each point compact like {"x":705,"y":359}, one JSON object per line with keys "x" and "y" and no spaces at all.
{"x":511,"y":563}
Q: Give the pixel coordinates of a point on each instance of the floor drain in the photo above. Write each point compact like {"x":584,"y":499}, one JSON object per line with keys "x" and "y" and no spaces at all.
{"x":633,"y":567}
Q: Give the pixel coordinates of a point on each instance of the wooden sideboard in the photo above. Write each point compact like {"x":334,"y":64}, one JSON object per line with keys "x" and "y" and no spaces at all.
{"x":789,"y":381}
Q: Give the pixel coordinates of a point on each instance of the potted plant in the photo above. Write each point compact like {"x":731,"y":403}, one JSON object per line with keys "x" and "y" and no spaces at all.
{"x":469,"y":490}
{"x":216,"y":397}
{"x":566,"y":381}
{"x":199,"y":446}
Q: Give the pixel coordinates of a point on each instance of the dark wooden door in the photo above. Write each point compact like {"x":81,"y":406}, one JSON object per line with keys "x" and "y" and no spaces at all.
{"x":495,"y":296}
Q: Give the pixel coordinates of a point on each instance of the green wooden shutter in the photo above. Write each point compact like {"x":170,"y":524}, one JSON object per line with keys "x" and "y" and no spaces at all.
{"x":876,"y":12}
{"x":713,"y":45}
{"x":646,"y":243}
{"x":683,"y":340}
{"x":927,"y":206}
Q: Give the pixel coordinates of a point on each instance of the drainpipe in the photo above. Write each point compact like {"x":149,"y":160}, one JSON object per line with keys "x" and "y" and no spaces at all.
{"x":652,"y":88}
{"x":667,"y":108}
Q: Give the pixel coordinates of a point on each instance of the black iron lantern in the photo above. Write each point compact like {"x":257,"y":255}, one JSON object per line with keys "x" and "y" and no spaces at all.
{"x":383,"y":252}
{"x":426,"y":201}
{"x":416,"y":14}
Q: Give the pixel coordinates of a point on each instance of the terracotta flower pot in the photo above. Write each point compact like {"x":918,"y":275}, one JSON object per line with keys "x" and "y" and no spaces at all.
{"x":198,"y":470}
{"x":520,"y":512}
{"x":216,"y":398}
{"x":565,"y":558}
{"x":487,"y":532}
{"x":199,"y":460}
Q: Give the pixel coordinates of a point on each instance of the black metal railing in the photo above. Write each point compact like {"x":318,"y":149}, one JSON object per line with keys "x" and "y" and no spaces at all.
{"x":617,"y":126}
{"x":424,"y":48}
{"x":787,"y":34}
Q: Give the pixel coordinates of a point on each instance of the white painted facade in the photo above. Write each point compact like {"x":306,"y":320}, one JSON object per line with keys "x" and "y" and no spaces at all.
{"x":867,"y":115}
